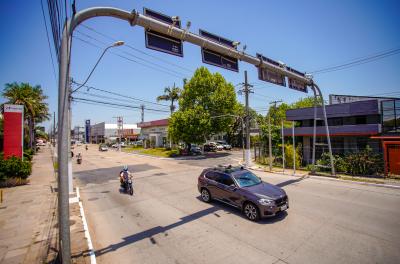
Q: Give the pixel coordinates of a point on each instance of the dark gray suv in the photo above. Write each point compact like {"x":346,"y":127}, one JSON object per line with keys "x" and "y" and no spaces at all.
{"x":239,"y":187}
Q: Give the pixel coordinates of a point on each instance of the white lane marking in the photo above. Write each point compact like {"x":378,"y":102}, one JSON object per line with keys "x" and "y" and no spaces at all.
{"x":86,"y":229}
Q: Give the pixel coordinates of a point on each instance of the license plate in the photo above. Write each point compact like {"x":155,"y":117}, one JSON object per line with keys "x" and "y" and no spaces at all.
{"x":284,"y":207}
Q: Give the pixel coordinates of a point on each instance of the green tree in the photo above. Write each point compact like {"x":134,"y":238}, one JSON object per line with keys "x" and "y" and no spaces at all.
{"x":170,"y":94}
{"x":204,"y":96}
{"x":32,"y":98}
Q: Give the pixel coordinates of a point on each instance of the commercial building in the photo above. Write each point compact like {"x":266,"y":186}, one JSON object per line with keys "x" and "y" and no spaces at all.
{"x":102,"y":132}
{"x":155,"y":132}
{"x":360,"y":121}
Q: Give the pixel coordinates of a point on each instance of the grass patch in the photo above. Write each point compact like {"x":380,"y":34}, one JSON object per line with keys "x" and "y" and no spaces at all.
{"x":158,"y":152}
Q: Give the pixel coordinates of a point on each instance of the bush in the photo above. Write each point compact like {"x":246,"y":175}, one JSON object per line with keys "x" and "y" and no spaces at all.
{"x":365,"y":162}
{"x":28,"y":154}
{"x":289,"y":156}
{"x":14,"y":167}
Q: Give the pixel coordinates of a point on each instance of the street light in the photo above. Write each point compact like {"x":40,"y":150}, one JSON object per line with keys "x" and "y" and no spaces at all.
{"x":115,"y":44}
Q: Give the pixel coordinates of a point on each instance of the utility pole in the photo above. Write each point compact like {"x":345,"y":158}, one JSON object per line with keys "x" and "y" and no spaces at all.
{"x":269,"y":133}
{"x":283,"y":150}
{"x":142,"y":112}
{"x":247,"y":89}
{"x":54,"y":129}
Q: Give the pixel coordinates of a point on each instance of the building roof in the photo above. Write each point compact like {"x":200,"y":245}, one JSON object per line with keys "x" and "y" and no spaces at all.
{"x":125,"y":126}
{"x":154,"y":123}
{"x":368,"y":107}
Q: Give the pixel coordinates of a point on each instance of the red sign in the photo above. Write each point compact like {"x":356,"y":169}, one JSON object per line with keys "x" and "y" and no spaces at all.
{"x":13,"y":130}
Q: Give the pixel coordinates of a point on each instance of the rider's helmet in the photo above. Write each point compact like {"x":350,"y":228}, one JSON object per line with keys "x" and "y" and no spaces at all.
{"x":125,"y":167}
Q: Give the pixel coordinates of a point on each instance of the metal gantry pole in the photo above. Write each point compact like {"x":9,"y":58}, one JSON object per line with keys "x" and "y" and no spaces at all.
{"x":134,"y":18}
{"x":62,"y":150}
{"x":326,"y":129}
{"x":314,"y":129}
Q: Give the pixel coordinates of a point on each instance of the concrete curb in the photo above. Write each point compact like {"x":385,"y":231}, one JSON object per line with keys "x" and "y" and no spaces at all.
{"x":333,"y":179}
{"x":85,"y":227}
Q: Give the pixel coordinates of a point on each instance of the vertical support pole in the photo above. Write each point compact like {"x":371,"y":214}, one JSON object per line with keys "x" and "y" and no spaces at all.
{"x":326,"y":130}
{"x":246,"y":92}
{"x":294,"y":150}
{"x":62,"y":149}
{"x":70,"y":187}
{"x":269,"y":141}
{"x":283,"y":150}
{"x":54,"y":129}
{"x":314,"y":130}
{"x":243,"y":139}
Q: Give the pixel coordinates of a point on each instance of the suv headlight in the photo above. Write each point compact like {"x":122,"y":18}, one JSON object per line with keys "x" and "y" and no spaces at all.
{"x":266,"y":201}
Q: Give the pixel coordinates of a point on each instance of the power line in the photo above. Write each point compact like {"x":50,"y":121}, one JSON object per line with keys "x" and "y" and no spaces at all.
{"x":358,"y":61}
{"x":136,"y":49}
{"x":134,"y":56}
{"x":108,"y":97}
{"x":129,"y":59}
{"x":116,"y":104}
{"x":48,"y":41}
{"x":121,"y":95}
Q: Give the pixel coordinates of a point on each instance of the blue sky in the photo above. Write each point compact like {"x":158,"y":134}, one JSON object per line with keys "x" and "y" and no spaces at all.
{"x":306,"y":35}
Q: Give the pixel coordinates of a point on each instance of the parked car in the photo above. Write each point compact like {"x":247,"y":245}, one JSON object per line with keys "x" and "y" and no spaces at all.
{"x":218,"y":147}
{"x":225,"y":145}
{"x":209,"y":147}
{"x":103,"y":147}
{"x":241,"y":188}
{"x":195,"y":149}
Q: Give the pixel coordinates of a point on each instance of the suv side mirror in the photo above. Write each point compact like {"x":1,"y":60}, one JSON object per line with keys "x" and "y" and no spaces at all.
{"x":232,"y":187}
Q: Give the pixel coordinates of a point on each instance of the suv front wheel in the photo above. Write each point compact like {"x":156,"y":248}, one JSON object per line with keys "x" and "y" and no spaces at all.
{"x":251,"y":212}
{"x":205,"y":195}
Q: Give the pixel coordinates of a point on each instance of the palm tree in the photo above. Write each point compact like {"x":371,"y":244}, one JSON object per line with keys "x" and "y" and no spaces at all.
{"x":33,"y":100}
{"x":170,"y":94}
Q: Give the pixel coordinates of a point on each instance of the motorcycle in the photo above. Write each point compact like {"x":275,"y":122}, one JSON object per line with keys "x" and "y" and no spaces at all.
{"x":126,"y":183}
{"x":79,"y":159}
{"x":86,"y":147}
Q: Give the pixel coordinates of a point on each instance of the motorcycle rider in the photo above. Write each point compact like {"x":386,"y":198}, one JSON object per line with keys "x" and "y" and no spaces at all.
{"x":79,"y":158}
{"x":86,"y":147}
{"x":124,"y":175}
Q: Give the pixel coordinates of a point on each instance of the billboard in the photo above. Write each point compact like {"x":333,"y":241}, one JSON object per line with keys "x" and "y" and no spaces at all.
{"x":162,"y":42}
{"x":13,"y":130}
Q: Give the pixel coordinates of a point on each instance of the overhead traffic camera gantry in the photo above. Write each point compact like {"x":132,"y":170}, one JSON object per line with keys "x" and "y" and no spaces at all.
{"x":165,"y":34}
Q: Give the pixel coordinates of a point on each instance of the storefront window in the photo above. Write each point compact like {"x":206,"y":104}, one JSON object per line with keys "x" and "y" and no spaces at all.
{"x":391,"y":116}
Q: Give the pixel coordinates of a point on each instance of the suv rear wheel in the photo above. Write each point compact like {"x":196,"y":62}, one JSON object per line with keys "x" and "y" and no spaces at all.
{"x":205,"y":195}
{"x":251,"y":212}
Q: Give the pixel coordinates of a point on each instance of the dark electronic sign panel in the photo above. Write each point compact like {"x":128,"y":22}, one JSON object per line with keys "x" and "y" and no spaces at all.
{"x":218,"y":59}
{"x":87,"y":131}
{"x":269,"y":75}
{"x":162,"y":42}
{"x":297,"y":84}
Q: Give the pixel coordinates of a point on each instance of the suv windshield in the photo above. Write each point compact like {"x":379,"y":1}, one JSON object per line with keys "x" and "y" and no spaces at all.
{"x":246,"y":178}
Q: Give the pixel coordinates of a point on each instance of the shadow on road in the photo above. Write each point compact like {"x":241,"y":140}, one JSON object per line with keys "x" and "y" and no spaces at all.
{"x":285,"y":183}
{"x":149,"y":233}
{"x":154,"y":231}
{"x":233,"y":210}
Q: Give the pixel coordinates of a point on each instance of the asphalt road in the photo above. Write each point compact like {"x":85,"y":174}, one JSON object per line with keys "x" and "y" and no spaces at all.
{"x":165,"y":222}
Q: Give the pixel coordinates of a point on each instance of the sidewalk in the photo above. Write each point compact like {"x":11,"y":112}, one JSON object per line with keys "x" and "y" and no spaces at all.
{"x":28,"y":219}
{"x":28,"y":216}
